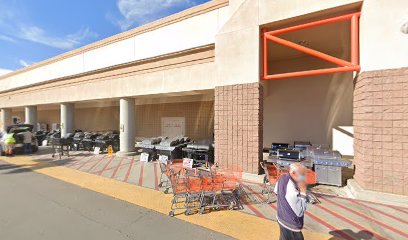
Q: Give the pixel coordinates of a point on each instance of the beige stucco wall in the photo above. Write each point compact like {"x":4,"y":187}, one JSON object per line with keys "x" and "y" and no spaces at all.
{"x":199,"y":117}
{"x":278,"y":10}
{"x":172,"y":80}
{"x":237,"y":44}
{"x":306,"y":108}
{"x":382,"y":44}
{"x":88,"y":119}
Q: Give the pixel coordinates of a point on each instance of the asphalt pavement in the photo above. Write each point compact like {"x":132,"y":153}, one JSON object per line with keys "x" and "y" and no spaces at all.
{"x":37,"y":207}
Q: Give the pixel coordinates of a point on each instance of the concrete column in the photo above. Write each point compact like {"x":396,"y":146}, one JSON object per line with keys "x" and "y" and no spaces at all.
{"x":127,"y":127}
{"x":31,"y":116}
{"x":67,"y":118}
{"x":5,"y":118}
{"x":380,"y":131}
{"x":238,"y":126}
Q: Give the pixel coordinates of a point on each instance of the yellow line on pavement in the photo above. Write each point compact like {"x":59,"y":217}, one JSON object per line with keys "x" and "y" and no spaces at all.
{"x":233,"y":223}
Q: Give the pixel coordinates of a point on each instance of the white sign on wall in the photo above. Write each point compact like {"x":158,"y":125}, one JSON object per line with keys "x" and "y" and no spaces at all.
{"x":173,"y":126}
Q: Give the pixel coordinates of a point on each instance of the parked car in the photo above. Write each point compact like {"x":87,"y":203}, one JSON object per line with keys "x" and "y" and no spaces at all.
{"x":18,"y":129}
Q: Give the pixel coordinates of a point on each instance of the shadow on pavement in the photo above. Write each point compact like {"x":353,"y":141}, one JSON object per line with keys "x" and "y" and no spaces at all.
{"x":361,"y":235}
{"x":42,"y":158}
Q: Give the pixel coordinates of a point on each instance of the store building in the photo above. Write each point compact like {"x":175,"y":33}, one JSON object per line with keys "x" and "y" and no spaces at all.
{"x":246,"y":72}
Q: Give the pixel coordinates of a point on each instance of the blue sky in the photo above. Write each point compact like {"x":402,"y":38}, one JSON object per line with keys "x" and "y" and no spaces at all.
{"x":34,"y":30}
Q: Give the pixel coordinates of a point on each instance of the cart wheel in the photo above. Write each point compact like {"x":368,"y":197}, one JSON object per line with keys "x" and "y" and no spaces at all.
{"x":52,"y":155}
{"x":166,"y":191}
{"x":201,"y":211}
{"x":171,"y":213}
{"x":160,"y":185}
{"x":187,"y":212}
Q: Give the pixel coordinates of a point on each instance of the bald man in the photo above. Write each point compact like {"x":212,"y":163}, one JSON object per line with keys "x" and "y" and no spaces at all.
{"x":291,"y":196}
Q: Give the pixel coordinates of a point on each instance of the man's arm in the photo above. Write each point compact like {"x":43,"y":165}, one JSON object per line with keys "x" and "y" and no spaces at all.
{"x":296,"y":199}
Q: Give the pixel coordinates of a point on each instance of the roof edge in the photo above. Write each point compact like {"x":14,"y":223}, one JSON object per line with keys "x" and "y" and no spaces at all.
{"x":174,"y":18}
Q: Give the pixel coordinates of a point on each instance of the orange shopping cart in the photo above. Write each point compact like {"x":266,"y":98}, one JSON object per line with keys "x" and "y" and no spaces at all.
{"x":219,"y":190}
{"x":179,"y":189}
{"x":272,"y":175}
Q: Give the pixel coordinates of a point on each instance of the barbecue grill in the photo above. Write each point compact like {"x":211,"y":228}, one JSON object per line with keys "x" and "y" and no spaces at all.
{"x":108,"y":138}
{"x":148,"y":147}
{"x":77,"y":140}
{"x":301,"y":145}
{"x":289,"y":154}
{"x":329,"y":166}
{"x":53,"y":134}
{"x":89,"y":140}
{"x":202,"y":152}
{"x":277,"y":146}
{"x":171,"y":148}
{"x":41,"y":136}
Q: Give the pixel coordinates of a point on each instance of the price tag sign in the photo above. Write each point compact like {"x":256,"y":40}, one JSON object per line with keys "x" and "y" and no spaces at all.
{"x":97,"y":150}
{"x":187,"y":163}
{"x":163,"y":159}
{"x":144,"y":157}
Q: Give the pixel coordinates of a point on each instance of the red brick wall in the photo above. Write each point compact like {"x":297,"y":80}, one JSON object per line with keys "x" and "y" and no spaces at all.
{"x":381,"y":130}
{"x":238,"y":126}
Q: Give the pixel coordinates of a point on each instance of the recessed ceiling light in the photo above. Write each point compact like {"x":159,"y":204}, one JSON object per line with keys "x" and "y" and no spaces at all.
{"x":404,"y":28}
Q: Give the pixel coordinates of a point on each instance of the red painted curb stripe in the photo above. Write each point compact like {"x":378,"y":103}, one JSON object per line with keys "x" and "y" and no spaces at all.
{"x":141,"y":174}
{"x":402,"y":209}
{"x":86,"y":162}
{"x":96,"y":164}
{"x":367,"y":217}
{"x":376,"y":235}
{"x":92,"y":159}
{"x":104,"y":167}
{"x":259,"y":195}
{"x":379,"y":211}
{"x":75,"y":161}
{"x":117,"y":168}
{"x":252,"y":208}
{"x":156,"y":180}
{"x":128,"y":171}
{"x":110,"y":168}
{"x":331,"y":227}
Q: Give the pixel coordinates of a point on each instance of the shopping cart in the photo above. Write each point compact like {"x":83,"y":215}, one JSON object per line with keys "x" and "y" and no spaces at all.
{"x":219,"y":190}
{"x":61,"y":146}
{"x":179,"y":189}
{"x":164,"y":176}
{"x":176,"y":166}
{"x":194,"y":190}
{"x":311,"y":178}
{"x":272,"y":175}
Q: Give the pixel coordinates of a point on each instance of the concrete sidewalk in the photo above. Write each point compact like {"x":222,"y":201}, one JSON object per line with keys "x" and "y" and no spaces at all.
{"x":336,"y":216}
